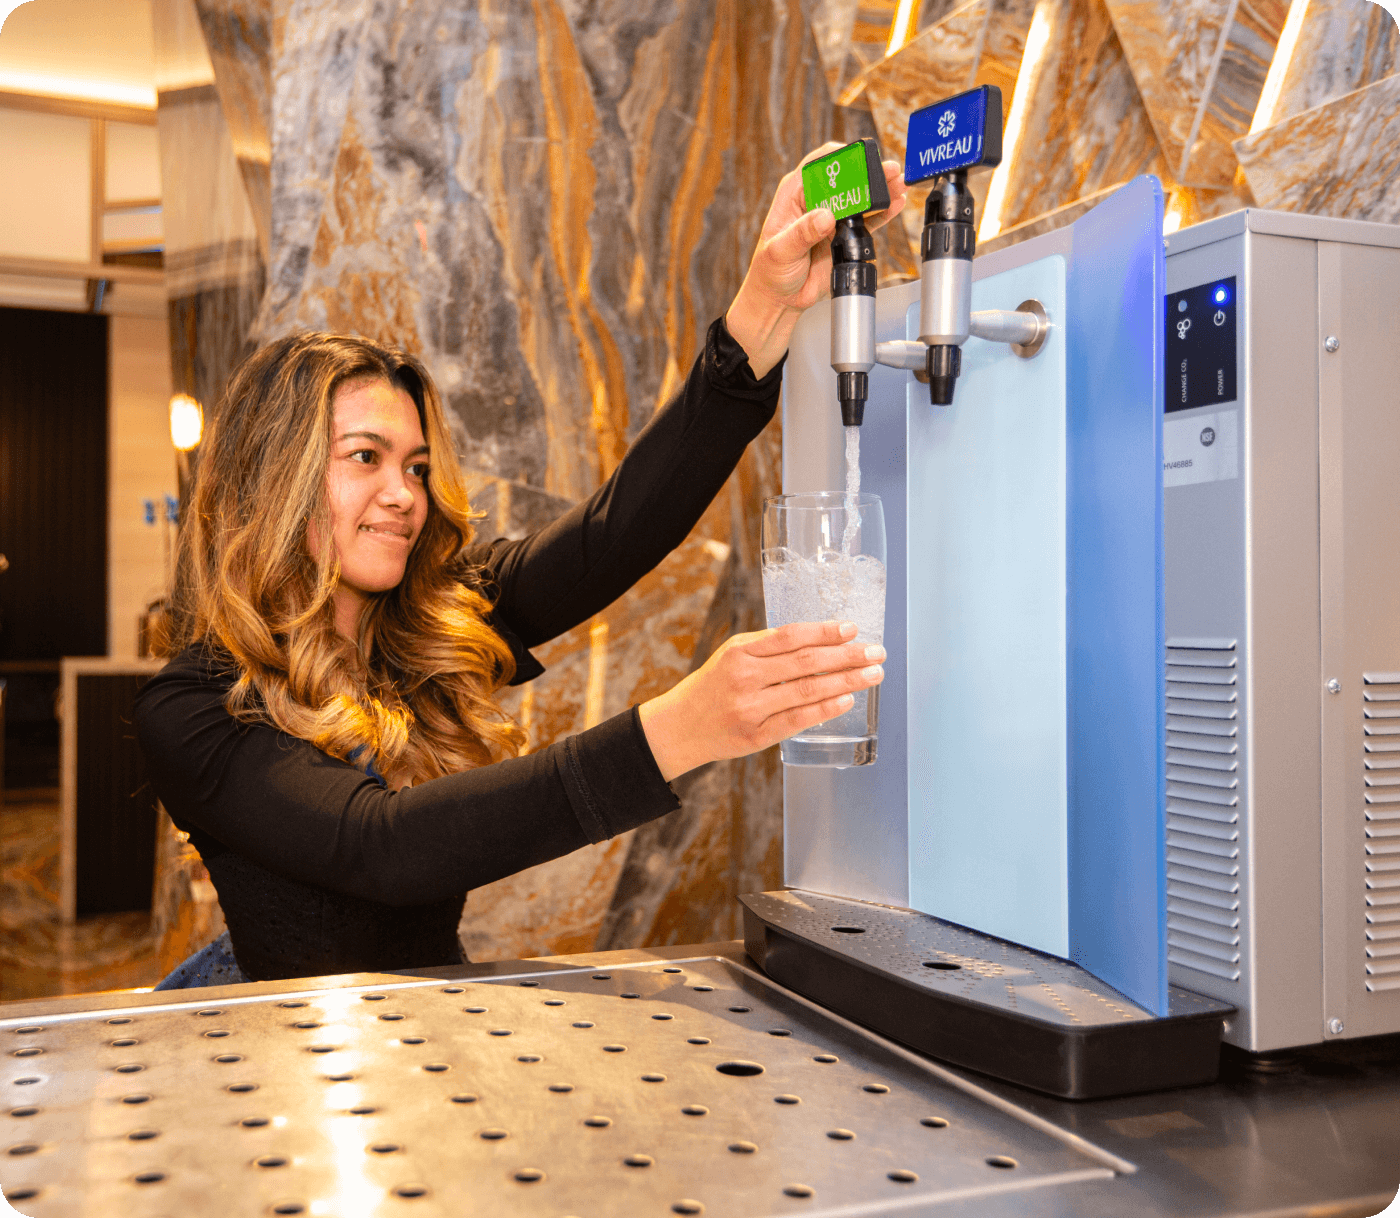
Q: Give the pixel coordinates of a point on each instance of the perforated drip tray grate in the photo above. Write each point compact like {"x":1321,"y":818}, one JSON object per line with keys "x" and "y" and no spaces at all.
{"x":690,"y":1087}
{"x":979,"y":1001}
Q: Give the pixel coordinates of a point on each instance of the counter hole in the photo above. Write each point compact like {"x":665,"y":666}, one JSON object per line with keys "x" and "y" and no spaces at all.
{"x":597,"y":1122}
{"x":214,"y":1011}
{"x":475,"y":1010}
{"x":464,"y":1098}
{"x":27,"y":1148}
{"x":271,"y":1161}
{"x":142,"y":1135}
{"x":242,"y":1087}
{"x":23,"y":1112}
{"x":120,"y":1019}
{"x":436,"y":1067}
{"x":653,"y":1078}
{"x":391,"y":1017}
{"x":787,"y":1099}
{"x":942,"y":965}
{"x":779,"y":1031}
{"x":529,"y":1057}
{"x":840,"y":1135}
{"x":695,"y":1110}
{"x":849,"y":930}
{"x":289,"y":1207}
{"x":124,"y":1043}
{"x":291,"y":1004}
{"x":583,"y":1023}
{"x":1000,"y":1161}
{"x":742,"y":1148}
{"x":663,"y":1016}
{"x":554,"y":1002}
{"x":21,"y":1194}
{"x":934,"y":1123}
{"x":697,"y":1040}
{"x":826,"y":1058}
{"x":454,"y":989}
{"x":629,"y":994}
{"x":614,"y":1048}
{"x":529,"y":1175}
{"x":129,"y":1068}
{"x":876,"y":1088}
{"x":303,"y":1024}
{"x":500,"y":1032}
{"x":24,"y":1082}
{"x":362,"y":1110}
{"x":798,"y":1190}
{"x":703,"y":989}
{"x":493,"y":1135}
{"x":602,"y":976}
{"x":135,"y":1099}
{"x":229,"y":1057}
{"x":385,"y":1148}
{"x":30,"y":1051}
{"x":31,"y":1029}
{"x":373,"y":997}
{"x":739,"y":1069}
{"x":530,"y":985}
{"x":413,"y":1040}
{"x":561,"y":1088}
{"x":253,"y":1122}
{"x":672,"y":970}
{"x":220,"y":1033}
{"x":150,"y":1177}
{"x":900,"y":1176}
{"x":339,"y":1078}
{"x":687,"y":1207}
{"x":639,"y":1160}
{"x":411,"y":1190}
{"x":741,"y":1010}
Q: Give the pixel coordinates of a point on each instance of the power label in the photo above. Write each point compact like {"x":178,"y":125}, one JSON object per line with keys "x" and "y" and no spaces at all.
{"x":847,"y":182}
{"x":956,"y":133}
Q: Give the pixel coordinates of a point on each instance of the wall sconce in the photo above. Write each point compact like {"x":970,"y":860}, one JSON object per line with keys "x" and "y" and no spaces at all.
{"x":186,"y":422}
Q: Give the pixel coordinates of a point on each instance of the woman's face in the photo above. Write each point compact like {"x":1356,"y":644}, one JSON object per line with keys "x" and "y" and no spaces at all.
{"x":376,"y":484}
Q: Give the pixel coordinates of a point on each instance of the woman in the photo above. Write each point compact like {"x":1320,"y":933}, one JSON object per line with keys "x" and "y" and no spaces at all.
{"x":326,"y":731}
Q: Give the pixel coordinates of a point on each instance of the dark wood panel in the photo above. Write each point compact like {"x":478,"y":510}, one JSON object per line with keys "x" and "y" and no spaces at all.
{"x":53,"y":484}
{"x":116,"y":807}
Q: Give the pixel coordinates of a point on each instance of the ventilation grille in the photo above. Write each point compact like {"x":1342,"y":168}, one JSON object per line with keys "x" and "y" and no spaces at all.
{"x":1203,"y":806}
{"x":1381,"y":709}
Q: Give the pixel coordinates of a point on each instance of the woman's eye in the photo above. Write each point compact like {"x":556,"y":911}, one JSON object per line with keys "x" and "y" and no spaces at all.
{"x":365,"y":456}
{"x":419,"y":469}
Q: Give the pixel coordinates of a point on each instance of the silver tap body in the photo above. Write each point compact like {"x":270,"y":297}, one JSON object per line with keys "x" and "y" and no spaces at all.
{"x":945,"y":302}
{"x":853,"y":333}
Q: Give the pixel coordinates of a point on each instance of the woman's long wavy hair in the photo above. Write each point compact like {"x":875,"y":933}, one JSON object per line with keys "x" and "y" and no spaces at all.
{"x":416,"y":696}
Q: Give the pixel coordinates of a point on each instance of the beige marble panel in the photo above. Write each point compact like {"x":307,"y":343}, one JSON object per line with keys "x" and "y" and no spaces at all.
{"x":851,"y":37}
{"x":1342,"y":45}
{"x":1086,"y":126}
{"x":1338,"y":159}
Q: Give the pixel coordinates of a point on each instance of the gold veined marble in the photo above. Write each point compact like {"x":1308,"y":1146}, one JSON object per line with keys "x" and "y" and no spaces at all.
{"x":1085,"y":124}
{"x":851,"y":37}
{"x":238,"y":34}
{"x":1242,"y":64}
{"x":1342,"y":45}
{"x":1200,"y":67}
{"x":1338,"y":159}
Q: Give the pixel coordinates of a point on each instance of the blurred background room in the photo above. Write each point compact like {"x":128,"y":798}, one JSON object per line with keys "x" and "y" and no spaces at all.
{"x":548,"y":202}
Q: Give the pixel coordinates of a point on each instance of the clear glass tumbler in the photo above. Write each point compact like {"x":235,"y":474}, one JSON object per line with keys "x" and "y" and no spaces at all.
{"x":824,"y":560}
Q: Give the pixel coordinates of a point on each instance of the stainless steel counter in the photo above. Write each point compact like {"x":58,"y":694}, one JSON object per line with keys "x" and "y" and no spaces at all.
{"x":675,"y":1080}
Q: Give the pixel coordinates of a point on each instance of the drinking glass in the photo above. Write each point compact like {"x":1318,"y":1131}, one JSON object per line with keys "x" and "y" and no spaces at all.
{"x":824,"y":560}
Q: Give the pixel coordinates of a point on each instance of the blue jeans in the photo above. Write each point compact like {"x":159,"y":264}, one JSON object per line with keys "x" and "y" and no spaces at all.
{"x":211,"y":965}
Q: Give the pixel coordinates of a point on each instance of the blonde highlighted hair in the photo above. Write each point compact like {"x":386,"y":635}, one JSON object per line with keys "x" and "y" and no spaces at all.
{"x":416,"y":697}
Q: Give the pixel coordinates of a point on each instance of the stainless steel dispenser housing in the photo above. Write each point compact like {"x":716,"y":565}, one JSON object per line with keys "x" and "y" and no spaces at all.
{"x":1282,"y":516}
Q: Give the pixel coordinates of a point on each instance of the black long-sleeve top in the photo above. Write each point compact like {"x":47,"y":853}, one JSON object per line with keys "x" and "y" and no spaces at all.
{"x":319,"y":868}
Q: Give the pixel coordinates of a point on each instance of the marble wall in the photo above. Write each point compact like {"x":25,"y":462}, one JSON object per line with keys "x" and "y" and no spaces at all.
{"x":549,"y":200}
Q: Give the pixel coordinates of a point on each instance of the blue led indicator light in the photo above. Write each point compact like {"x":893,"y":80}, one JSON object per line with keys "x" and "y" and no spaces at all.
{"x":1221,"y":295}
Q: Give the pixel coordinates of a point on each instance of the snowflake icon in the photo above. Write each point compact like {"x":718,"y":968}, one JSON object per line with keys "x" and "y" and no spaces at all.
{"x":946,"y":122}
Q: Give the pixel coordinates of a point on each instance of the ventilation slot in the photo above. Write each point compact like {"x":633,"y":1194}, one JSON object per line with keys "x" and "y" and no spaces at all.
{"x":1381,"y":712}
{"x":1203,"y":812}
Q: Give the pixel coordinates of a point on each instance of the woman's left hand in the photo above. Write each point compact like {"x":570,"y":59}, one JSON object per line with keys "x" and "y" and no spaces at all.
{"x":791,"y":268}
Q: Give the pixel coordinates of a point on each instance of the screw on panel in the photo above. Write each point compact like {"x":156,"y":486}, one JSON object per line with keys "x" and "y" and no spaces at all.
{"x":1332,"y":343}
{"x":1334,"y":686}
{"x":1335,"y":1026}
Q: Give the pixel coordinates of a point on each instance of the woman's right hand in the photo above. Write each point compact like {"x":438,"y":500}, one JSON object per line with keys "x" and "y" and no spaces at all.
{"x":756,"y":690}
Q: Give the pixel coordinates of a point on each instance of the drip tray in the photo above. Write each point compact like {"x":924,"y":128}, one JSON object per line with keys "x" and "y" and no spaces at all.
{"x":685,"y":1087}
{"x":981,"y":1002}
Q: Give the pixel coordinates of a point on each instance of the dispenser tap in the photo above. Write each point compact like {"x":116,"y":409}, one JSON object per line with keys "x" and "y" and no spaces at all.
{"x":849,"y":183}
{"x":945,"y":141}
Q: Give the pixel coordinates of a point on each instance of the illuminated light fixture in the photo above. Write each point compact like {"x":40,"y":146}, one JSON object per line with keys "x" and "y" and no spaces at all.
{"x":186,"y":422}
{"x":1037,"y":40}
{"x":46,"y":85}
{"x":1171,"y":221}
{"x":1278,"y":69}
{"x":900,"y":26}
